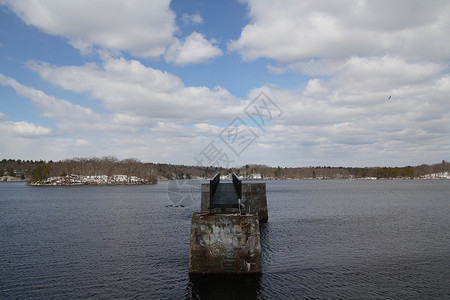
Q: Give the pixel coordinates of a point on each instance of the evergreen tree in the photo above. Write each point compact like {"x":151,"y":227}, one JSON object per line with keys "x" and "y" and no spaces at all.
{"x":40,"y":173}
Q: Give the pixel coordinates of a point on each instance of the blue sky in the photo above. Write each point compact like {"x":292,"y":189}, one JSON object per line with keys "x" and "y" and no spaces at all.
{"x":188,"y":81}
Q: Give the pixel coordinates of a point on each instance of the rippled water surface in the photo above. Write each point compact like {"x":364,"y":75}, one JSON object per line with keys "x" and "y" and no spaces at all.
{"x":324,"y":239}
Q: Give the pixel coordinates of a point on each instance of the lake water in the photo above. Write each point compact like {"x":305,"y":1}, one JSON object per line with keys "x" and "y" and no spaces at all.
{"x":324,"y":239}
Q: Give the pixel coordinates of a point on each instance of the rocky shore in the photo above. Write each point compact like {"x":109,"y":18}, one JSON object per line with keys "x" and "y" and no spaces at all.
{"x":11,"y":178}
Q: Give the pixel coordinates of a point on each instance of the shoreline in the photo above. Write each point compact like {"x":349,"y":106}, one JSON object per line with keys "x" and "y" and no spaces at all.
{"x":146,"y":182}
{"x":205,"y":179}
{"x":85,"y":184}
{"x":11,"y":179}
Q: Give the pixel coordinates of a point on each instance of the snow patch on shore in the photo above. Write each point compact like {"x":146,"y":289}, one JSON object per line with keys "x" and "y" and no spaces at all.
{"x":440,"y":175}
{"x":74,"y":179}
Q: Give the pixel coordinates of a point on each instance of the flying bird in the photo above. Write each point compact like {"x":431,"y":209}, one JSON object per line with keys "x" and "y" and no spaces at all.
{"x":389,"y":97}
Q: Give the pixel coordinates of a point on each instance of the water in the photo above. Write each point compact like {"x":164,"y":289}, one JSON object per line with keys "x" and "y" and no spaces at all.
{"x":324,"y":239}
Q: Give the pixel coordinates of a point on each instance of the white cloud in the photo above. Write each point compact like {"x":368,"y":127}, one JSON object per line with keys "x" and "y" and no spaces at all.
{"x":386,"y":72}
{"x":129,"y":88}
{"x":315,"y":87}
{"x":312,"y":67}
{"x":22,"y":137}
{"x":195,"y":49}
{"x":70,"y":118}
{"x":51,"y":107}
{"x":82,"y":132}
{"x":24,"y":129}
{"x":349,"y":120}
{"x":194,"y":19}
{"x":36,"y":144}
{"x":361,"y":91}
{"x":143,"y":28}
{"x":295,"y":32}
{"x":171,"y":130}
{"x":207,"y":129}
{"x":322,"y":127}
{"x":363,"y":52}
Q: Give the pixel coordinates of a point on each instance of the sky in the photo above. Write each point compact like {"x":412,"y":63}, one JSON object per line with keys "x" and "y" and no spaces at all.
{"x":281,"y":83}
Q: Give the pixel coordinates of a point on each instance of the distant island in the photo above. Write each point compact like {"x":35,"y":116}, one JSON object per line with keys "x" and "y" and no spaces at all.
{"x":109,"y":170}
{"x":74,"y":179}
{"x":78,"y":171}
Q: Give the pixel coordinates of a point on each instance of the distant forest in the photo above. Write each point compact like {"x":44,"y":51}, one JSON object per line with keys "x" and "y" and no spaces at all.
{"x":37,"y":170}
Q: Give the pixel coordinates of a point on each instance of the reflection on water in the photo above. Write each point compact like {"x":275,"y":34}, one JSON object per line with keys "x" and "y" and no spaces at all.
{"x":225,"y":286}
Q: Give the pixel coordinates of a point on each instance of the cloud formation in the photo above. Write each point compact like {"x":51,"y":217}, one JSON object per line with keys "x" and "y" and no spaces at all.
{"x":357,"y":56}
{"x":70,"y":117}
{"x":24,"y":129}
{"x":295,"y":32}
{"x":195,"y":49}
{"x":377,"y":110}
{"x":373,"y":85}
{"x":81,"y":132}
{"x":143,"y":28}
{"x":127,"y":87}
{"x":193,"y":19}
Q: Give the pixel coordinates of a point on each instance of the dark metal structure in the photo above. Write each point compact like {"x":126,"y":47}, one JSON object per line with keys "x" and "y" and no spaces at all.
{"x":213,"y":184}
{"x":237,"y":186}
{"x":224,"y":195}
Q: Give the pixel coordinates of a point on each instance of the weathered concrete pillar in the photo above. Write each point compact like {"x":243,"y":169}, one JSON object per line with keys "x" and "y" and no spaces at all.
{"x":225,"y":243}
{"x":254,"y":197}
{"x":205,"y":198}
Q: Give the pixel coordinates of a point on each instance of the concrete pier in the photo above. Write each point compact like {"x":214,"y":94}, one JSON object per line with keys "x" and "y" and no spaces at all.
{"x":225,"y":243}
{"x":225,"y":233}
{"x":254,"y":199}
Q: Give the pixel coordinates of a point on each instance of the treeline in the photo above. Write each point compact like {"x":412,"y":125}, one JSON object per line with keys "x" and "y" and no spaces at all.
{"x":107,"y":165}
{"x":18,"y":168}
{"x":405,"y":172}
{"x":327,"y":172}
{"x":35,"y":171}
{"x":110,"y":165}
